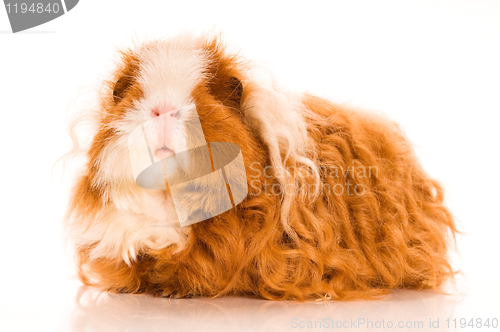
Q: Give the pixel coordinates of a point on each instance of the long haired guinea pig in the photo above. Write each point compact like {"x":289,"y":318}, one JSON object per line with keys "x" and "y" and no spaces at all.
{"x":336,"y":204}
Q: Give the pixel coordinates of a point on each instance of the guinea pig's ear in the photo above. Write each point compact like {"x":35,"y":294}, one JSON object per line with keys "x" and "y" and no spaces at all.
{"x":236,"y":89}
{"x":121,"y":87}
{"x":226,"y":89}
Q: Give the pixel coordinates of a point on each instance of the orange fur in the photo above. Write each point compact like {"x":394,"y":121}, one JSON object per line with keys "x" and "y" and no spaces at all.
{"x":394,"y":235}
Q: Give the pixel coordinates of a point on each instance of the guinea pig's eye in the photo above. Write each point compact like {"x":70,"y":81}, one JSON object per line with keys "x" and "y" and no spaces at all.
{"x":121,"y":87}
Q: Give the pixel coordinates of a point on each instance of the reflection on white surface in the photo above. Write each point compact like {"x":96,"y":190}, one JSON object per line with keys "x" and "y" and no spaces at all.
{"x":416,"y":310}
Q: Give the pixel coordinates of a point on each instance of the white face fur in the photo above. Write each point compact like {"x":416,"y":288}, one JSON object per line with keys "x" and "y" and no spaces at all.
{"x":168,"y":73}
{"x":140,"y":218}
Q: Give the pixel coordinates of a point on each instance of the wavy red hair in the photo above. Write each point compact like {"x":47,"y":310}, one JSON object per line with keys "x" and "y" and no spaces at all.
{"x":396,"y":234}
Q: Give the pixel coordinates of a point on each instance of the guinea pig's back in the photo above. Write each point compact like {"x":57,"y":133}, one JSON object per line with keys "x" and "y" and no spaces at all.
{"x":381,"y":204}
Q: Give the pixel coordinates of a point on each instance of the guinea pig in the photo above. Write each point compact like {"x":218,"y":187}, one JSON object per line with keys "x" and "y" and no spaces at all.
{"x":334,"y":203}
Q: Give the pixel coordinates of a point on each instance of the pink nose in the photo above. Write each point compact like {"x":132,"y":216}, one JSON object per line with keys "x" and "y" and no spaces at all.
{"x":164,"y":109}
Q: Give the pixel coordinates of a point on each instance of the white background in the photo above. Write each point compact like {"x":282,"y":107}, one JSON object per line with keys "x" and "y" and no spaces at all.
{"x":433,"y":66}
